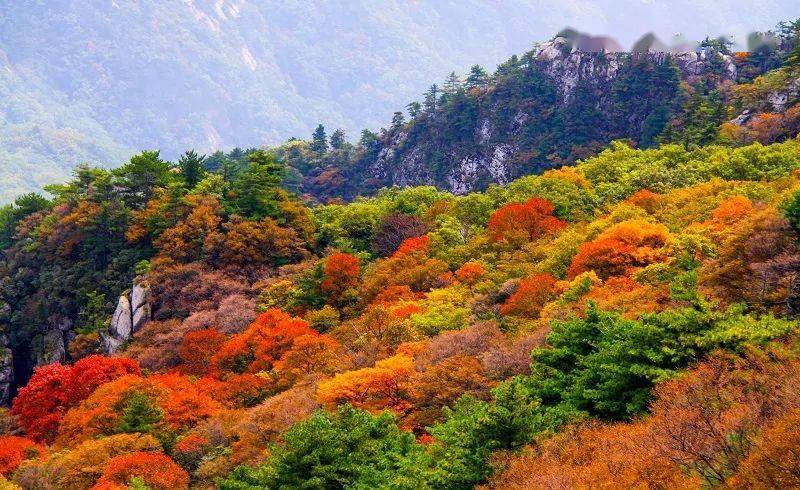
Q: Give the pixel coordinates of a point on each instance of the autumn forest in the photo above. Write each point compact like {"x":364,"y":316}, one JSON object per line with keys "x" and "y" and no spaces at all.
{"x":625,"y":316}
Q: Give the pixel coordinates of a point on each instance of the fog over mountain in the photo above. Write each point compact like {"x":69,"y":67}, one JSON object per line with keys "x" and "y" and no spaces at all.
{"x":97,"y":80}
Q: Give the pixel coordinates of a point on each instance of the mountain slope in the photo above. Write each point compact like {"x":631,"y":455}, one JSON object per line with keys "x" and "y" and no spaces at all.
{"x":217,"y":74}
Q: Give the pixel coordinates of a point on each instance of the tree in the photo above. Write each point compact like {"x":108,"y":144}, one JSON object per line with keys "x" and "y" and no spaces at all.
{"x":397,"y":120}
{"x":198,"y":348}
{"x":414,"y":109}
{"x":431,"y":100}
{"x":141,"y":176}
{"x":139,"y":414}
{"x":517,"y":223}
{"x":375,"y":388}
{"x":452,"y":84}
{"x":477,"y":78}
{"x":349,"y":448}
{"x":152,"y":470}
{"x":191,"y":167}
{"x":341,"y":275}
{"x":14,"y":450}
{"x":338,"y":139}
{"x":394,"y":229}
{"x":531,"y":295}
{"x":319,"y":141}
{"x":257,"y":188}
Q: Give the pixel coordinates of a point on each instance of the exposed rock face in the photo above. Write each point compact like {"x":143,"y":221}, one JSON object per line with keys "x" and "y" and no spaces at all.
{"x":493,"y":155}
{"x":133,"y":311}
{"x":6,"y":372}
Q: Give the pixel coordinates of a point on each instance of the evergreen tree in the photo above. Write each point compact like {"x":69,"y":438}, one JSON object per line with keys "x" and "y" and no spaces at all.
{"x":477,"y":77}
{"x":191,"y":167}
{"x":431,"y":99}
{"x":256,"y":189}
{"x":139,"y":178}
{"x":337,"y":139}
{"x":319,"y":141}
{"x":140,"y":414}
{"x":414,"y":108}
{"x":397,"y":120}
{"x":452,"y":83}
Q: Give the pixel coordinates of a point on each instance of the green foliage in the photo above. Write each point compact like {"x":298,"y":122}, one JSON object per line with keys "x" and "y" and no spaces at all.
{"x":347,"y":449}
{"x":93,"y":317}
{"x":256,"y":190}
{"x":140,"y":177}
{"x":191,"y":167}
{"x":139,"y":414}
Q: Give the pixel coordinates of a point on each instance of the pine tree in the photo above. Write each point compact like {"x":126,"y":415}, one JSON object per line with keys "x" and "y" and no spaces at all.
{"x":397,"y":120}
{"x":414,"y":108}
{"x":477,"y":77}
{"x":337,"y":139}
{"x":140,"y":414}
{"x":256,"y":189}
{"x":452,"y":83}
{"x":191,"y":167}
{"x":431,"y":99}
{"x":319,"y":141}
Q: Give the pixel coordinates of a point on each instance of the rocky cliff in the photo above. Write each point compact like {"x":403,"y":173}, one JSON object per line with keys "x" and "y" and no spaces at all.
{"x":552,"y":106}
{"x":133,"y":310}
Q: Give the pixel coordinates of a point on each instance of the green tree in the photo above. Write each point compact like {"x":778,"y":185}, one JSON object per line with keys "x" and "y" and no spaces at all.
{"x":477,"y":78}
{"x":93,"y":316}
{"x":338,"y":139}
{"x":191,"y":167}
{"x":397,"y":120}
{"x":414,"y":108}
{"x":140,"y":414}
{"x":347,"y":449}
{"x":319,"y":141}
{"x":139,"y":178}
{"x":431,"y":100}
{"x":256,"y":189}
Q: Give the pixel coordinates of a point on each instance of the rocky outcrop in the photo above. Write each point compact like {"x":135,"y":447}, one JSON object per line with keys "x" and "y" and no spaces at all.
{"x":497,"y":151}
{"x":6,"y":371}
{"x":133,"y":310}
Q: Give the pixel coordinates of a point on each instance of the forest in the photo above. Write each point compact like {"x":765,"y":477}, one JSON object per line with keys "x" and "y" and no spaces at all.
{"x":628,"y":319}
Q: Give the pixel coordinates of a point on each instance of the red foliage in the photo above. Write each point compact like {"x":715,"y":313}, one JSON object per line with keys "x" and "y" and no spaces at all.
{"x":413,"y":244}
{"x":342,"y":272}
{"x":198,"y":348}
{"x":470,"y":272}
{"x":531,"y":296}
{"x":521,"y":222}
{"x":262,"y":344}
{"x":40,"y":406}
{"x":14,"y":450}
{"x":620,"y":249}
{"x":394,"y":294}
{"x":156,"y":470}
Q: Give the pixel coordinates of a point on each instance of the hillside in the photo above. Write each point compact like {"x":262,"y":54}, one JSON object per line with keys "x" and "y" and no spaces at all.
{"x":416,"y":336}
{"x":98,"y":80}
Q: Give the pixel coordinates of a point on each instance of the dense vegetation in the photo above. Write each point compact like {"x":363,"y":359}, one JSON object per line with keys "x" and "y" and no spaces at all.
{"x":626,"y":321}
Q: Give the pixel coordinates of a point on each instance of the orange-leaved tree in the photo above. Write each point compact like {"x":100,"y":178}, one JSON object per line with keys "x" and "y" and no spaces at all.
{"x":531,"y":295}
{"x":341,"y":275}
{"x":154,"y":470}
{"x":260,"y":346}
{"x":621,"y":249}
{"x":521,"y":222}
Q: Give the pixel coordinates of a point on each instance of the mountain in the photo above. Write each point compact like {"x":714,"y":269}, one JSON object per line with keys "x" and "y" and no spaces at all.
{"x":96,"y":80}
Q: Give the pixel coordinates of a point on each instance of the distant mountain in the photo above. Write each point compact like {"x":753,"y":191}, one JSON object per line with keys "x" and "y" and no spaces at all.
{"x":96,"y":80}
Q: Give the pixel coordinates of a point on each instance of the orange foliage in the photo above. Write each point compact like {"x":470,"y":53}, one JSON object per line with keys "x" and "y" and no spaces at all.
{"x":342,"y":272}
{"x":375,"y":388}
{"x":518,"y":223}
{"x":308,"y":355}
{"x":732,"y":210}
{"x":53,"y":389}
{"x":402,"y":312}
{"x":237,"y":390}
{"x":533,"y":293}
{"x":184,"y":242}
{"x":414,"y":244}
{"x":646,"y":200}
{"x":621,"y":249}
{"x":774,"y":462}
{"x":181,"y":402}
{"x":470,"y":272}
{"x":198,"y":348}
{"x":14,"y":450}
{"x":262,"y":344}
{"x":157,"y":471}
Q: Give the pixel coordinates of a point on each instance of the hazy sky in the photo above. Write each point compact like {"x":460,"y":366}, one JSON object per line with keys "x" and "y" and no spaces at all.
{"x":627,"y":20}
